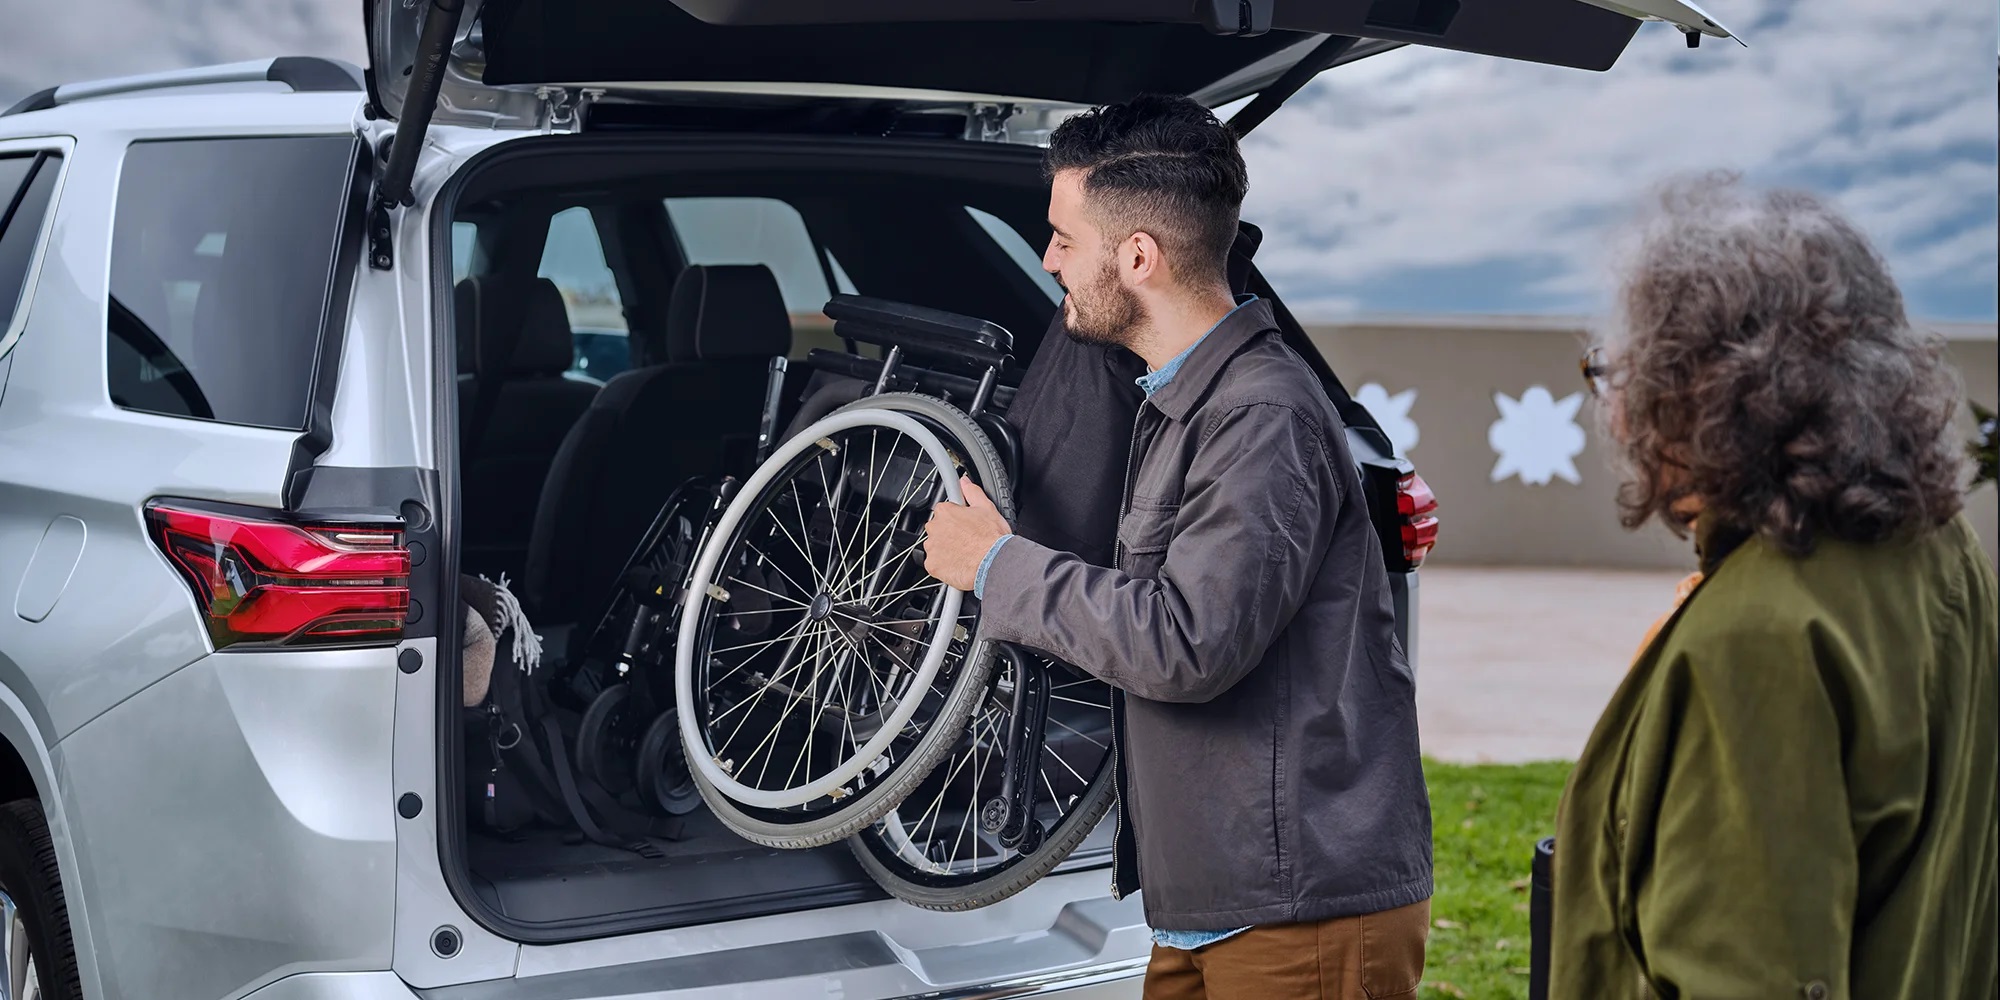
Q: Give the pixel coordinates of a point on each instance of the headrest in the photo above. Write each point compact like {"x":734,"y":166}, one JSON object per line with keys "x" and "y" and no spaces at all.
{"x":543,"y":344}
{"x":721,"y":311}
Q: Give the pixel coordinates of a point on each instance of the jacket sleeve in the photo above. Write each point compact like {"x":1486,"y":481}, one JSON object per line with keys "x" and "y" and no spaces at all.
{"x":1751,"y":884}
{"x":1253,"y":525}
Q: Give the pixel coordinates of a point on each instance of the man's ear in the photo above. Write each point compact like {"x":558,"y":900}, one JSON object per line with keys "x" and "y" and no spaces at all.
{"x":1139,"y":259}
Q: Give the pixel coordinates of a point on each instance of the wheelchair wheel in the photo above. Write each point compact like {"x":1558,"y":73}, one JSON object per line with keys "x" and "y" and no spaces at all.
{"x":664,"y":781}
{"x":820,"y":673}
{"x":950,"y":845}
{"x":607,"y":740}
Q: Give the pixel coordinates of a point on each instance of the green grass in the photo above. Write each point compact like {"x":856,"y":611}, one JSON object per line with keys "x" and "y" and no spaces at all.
{"x":1485,"y":821}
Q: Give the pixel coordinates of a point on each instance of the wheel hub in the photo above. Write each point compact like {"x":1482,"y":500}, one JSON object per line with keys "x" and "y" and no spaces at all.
{"x":821,"y":608}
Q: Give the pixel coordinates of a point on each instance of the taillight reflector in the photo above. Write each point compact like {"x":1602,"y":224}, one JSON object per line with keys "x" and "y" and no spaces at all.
{"x":266,"y":582}
{"x":1417,"y":505}
{"x":1414,"y":496}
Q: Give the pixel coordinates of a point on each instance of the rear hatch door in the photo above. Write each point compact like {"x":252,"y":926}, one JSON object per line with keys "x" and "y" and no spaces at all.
{"x":1073,"y":51}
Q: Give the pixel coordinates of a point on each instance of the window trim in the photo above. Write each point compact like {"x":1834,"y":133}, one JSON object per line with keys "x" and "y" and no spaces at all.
{"x":317,"y":434}
{"x":63,"y":147}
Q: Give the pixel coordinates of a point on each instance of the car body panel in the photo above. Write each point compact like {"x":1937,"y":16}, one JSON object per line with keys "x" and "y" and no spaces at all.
{"x":237,"y":820}
{"x":57,"y":408}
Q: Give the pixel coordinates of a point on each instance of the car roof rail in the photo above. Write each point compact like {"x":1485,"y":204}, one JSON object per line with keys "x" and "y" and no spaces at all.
{"x":302,"y":74}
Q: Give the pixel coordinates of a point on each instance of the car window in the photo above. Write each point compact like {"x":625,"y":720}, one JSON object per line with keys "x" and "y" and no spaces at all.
{"x":27,"y":183}
{"x":843,"y":284}
{"x":1018,"y":250}
{"x":221,"y":257}
{"x":753,"y":231}
{"x":465,"y":259}
{"x":573,"y":258}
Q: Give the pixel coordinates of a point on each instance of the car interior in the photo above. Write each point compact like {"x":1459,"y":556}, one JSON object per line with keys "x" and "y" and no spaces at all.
{"x":716,"y":258}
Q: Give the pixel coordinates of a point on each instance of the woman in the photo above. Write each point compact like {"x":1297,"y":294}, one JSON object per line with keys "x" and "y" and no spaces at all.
{"x":1792,"y":794}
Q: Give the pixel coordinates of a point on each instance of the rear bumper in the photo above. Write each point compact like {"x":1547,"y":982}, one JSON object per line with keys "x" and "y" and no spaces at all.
{"x":337,"y":986}
{"x":1117,"y":981}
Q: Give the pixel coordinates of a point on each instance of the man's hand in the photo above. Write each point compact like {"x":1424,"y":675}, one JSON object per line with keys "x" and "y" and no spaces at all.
{"x":957,"y":537}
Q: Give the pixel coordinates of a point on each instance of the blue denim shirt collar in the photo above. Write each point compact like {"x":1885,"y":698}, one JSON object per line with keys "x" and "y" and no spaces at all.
{"x":1154,"y":381}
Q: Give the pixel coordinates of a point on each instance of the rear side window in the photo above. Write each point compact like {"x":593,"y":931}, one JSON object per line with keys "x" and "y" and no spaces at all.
{"x":222,"y":256}
{"x":1017,"y":250}
{"x":27,"y":184}
{"x":573,"y":258}
{"x":754,"y":231}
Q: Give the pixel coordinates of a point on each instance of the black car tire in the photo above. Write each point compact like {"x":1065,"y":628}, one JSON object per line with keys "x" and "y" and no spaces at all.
{"x":29,"y":877}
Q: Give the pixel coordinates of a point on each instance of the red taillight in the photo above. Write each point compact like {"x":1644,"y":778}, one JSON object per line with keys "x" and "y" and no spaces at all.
{"x":271,"y":583}
{"x":1418,"y":507}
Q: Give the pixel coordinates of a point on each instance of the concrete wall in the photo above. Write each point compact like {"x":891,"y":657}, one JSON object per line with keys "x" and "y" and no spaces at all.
{"x":1456,"y":365}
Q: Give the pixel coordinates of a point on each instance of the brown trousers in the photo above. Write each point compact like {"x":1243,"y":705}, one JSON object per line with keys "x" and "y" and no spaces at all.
{"x":1375,"y":956}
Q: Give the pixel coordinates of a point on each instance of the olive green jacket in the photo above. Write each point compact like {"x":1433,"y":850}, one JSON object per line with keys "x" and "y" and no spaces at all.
{"x":1792,"y":795}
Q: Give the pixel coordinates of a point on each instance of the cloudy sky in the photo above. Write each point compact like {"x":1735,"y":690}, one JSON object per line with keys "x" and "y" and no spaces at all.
{"x":1428,"y":181}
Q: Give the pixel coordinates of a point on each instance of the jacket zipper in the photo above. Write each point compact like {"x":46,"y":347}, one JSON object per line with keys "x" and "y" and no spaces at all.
{"x":1118,"y":697}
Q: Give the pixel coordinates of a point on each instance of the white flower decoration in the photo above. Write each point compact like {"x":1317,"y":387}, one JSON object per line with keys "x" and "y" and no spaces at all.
{"x":1393,"y":413}
{"x":1536,"y":437}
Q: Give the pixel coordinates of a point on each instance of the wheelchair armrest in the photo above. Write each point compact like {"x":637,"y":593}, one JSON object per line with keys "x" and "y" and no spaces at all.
{"x":921,"y":331}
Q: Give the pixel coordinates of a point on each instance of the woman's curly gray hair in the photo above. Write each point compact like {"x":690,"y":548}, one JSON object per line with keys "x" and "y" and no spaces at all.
{"x":1765,"y":368}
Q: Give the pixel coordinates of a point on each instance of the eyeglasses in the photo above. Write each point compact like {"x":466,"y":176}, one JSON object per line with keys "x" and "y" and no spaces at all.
{"x":1596,"y":374}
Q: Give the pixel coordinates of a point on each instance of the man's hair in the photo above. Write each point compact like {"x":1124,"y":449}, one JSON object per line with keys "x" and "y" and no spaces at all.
{"x":1767,"y":369}
{"x":1163,"y":165}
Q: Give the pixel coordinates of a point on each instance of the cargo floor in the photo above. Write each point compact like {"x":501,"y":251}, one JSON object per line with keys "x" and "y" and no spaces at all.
{"x":545,"y":877}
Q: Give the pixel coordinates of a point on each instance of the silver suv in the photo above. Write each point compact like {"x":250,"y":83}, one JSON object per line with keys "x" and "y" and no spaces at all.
{"x":288,"y":349}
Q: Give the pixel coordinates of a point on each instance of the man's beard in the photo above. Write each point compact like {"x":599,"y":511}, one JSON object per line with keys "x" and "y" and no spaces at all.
{"x":1109,"y":316}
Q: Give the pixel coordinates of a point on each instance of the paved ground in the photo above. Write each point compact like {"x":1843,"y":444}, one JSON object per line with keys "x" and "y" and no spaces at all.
{"x":1515,"y":664}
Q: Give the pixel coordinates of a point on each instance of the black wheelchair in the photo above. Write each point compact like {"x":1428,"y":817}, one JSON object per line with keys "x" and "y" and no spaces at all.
{"x":776,"y":652}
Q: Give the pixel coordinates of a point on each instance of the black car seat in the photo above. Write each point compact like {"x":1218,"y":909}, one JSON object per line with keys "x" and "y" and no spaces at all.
{"x":529,"y":406}
{"x":650,"y":429}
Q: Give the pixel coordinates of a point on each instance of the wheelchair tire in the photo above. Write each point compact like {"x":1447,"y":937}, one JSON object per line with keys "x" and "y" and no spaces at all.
{"x":902,"y":863}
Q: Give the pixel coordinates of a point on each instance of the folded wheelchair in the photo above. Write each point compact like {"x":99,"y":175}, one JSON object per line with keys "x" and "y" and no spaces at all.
{"x":776,"y":653}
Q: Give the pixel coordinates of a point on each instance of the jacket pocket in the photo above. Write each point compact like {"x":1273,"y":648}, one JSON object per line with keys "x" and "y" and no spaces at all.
{"x":1144,"y":534}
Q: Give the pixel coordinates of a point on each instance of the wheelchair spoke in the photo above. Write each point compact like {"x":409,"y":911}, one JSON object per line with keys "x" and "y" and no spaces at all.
{"x":1079,"y":701}
{"x":805,"y":532}
{"x":836,"y":545}
{"x":793,"y":601}
{"x":761,"y":642}
{"x":773,"y":563}
{"x":788,"y":633}
{"x":902,"y":507}
{"x":1058,"y":722}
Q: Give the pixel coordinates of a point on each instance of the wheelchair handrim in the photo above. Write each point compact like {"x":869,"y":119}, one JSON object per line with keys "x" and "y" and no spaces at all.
{"x":699,"y":755}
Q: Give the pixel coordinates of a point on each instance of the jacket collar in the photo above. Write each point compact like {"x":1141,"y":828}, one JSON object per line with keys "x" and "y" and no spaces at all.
{"x":1715,"y":539}
{"x":1205,"y":363}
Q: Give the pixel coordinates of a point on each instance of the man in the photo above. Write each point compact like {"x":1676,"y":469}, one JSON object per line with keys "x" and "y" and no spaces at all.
{"x":1271,"y":794}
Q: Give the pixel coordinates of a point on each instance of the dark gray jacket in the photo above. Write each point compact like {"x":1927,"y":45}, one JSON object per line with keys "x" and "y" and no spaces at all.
{"x":1268,"y":759}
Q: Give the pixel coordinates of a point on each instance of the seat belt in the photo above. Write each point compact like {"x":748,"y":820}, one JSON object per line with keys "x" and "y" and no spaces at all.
{"x":577,"y":800}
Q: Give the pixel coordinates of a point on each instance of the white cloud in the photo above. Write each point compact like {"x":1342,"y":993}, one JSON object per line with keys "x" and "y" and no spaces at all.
{"x":1428,"y":159}
{"x":46,"y":45}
